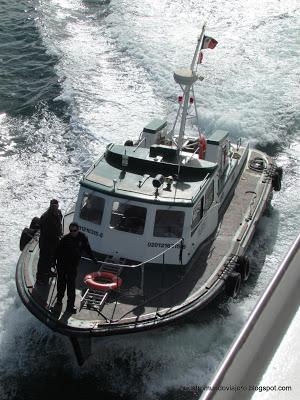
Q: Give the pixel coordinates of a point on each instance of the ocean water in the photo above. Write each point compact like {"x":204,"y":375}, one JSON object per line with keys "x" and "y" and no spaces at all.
{"x":76,"y":75}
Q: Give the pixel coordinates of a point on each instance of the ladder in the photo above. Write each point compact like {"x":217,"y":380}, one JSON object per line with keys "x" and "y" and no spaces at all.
{"x":95,"y":299}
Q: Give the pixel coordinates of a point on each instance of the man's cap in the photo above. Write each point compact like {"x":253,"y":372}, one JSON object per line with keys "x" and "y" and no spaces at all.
{"x":53,"y":201}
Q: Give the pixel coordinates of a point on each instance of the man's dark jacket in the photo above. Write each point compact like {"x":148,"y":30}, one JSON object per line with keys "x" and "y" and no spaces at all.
{"x":70,"y":250}
{"x":50,"y":228}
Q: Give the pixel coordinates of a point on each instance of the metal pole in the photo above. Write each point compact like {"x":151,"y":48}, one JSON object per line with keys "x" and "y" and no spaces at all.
{"x":196,"y":112}
{"x":198,"y":47}
{"x":186,"y":94}
{"x":142,"y":279}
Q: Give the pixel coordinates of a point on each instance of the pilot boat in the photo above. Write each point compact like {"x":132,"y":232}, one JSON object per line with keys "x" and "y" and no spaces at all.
{"x":169,"y":217}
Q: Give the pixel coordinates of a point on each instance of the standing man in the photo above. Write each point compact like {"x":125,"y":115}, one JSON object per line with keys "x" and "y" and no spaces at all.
{"x":69,"y":252}
{"x":50,"y":234}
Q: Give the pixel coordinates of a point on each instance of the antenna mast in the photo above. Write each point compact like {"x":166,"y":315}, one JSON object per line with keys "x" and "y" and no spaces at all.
{"x":186,"y":77}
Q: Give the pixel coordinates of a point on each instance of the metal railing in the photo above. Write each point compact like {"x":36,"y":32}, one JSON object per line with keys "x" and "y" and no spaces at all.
{"x":143,"y":262}
{"x":141,"y":265}
{"x":140,"y":142}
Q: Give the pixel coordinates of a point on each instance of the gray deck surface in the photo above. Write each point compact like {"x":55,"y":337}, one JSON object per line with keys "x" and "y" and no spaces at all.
{"x":165,"y":288}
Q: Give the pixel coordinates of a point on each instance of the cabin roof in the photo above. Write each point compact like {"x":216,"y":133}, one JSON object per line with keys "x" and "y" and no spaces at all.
{"x":217,"y":137}
{"x":127,"y":171}
{"x":155,"y":126}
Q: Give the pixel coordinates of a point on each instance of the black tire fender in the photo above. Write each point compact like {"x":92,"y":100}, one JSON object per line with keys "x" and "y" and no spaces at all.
{"x":35,"y":223}
{"x":233,"y":284}
{"x":276,"y":179}
{"x":26,"y":235}
{"x":279,"y":171}
{"x":243,"y":267}
{"x":128,"y":143}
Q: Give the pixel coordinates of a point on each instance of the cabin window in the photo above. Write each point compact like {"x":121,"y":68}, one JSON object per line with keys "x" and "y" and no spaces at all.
{"x":197,"y":214}
{"x":92,"y":208}
{"x":209,"y":196}
{"x":128,"y":218}
{"x":168,"y":223}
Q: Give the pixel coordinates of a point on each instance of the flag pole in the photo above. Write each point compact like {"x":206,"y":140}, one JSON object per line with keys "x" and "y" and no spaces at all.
{"x":198,"y":47}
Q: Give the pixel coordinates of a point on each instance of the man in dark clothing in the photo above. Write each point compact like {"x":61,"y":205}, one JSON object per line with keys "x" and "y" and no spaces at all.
{"x":50,"y":234}
{"x":68,"y":256}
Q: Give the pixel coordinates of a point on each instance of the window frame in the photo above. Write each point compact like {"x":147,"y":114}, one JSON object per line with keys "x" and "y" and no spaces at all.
{"x":134,"y":224}
{"x":211,"y":192}
{"x":157,"y":218}
{"x":88,"y":195}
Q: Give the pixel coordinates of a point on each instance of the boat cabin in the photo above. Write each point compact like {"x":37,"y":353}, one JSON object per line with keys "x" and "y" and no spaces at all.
{"x":134,"y":205}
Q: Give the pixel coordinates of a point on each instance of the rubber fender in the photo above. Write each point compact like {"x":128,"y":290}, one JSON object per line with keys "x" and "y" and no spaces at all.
{"x":128,"y":143}
{"x":35,"y":223}
{"x":243,"y":267}
{"x":279,"y":170}
{"x":233,"y":284}
{"x":276,"y":179}
{"x":26,"y":235}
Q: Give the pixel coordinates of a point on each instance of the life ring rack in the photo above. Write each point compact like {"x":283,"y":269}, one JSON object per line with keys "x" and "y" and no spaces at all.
{"x":92,"y":281}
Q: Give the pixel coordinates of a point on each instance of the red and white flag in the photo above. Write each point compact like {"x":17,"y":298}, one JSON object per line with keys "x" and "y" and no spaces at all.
{"x":208,"y":43}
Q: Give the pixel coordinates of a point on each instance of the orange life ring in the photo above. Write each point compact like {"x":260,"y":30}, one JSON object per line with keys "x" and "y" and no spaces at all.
{"x":202,"y":146}
{"x":91,"y":280}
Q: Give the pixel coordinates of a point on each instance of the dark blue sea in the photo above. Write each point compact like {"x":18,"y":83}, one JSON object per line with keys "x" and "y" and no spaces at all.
{"x":76,"y":75}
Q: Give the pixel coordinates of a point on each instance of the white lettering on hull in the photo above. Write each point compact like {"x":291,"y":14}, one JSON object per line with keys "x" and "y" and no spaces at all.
{"x":90,"y":231}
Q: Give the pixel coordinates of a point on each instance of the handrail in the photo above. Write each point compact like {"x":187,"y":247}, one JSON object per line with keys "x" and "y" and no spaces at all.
{"x":139,"y":143}
{"x":238,"y":144}
{"x":203,"y":183}
{"x":162,"y":293}
{"x":68,"y":207}
{"x":143,"y":262}
{"x":189,"y":159}
{"x":143,"y":303}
